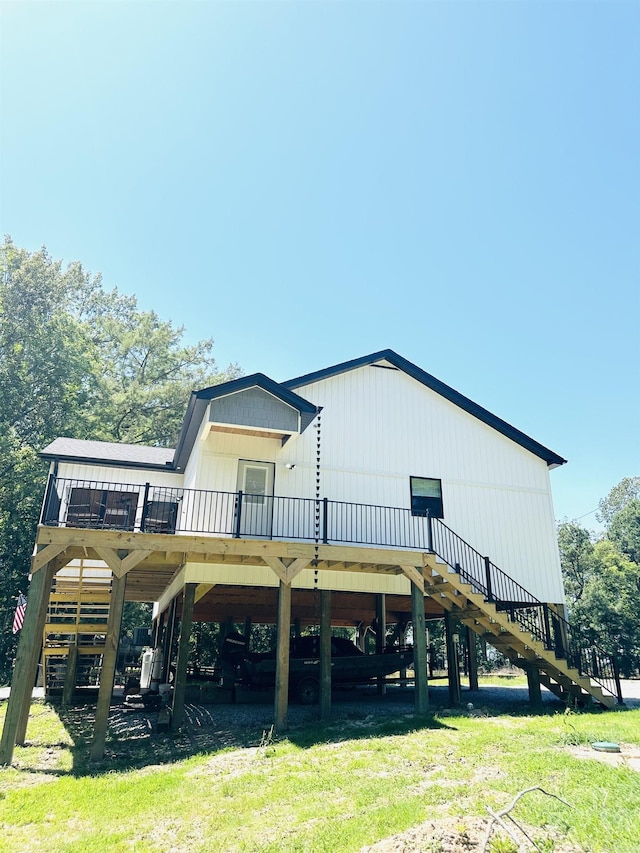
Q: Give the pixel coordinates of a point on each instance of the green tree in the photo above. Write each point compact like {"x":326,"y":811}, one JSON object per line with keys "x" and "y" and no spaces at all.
{"x":148,"y":375}
{"x":80,"y":361}
{"x":576,"y":557}
{"x":627,"y":489}
{"x":602,"y":587}
{"x":608,"y":611}
{"x":624,"y":530}
{"x":47,"y":368}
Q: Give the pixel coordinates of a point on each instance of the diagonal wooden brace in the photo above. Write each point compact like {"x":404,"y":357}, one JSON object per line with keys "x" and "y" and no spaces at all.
{"x":121,"y":567}
{"x":414,"y":576}
{"x":41,"y":558}
{"x":286,"y":572}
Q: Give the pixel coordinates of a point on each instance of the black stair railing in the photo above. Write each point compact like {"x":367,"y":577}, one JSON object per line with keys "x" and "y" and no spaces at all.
{"x":170,"y":509}
{"x":534,"y":616}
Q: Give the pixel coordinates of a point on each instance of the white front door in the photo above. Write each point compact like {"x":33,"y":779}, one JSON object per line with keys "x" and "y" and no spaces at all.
{"x":255,"y":481}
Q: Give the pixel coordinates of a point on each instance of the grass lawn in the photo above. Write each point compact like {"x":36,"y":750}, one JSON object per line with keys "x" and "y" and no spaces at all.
{"x":335,"y":786}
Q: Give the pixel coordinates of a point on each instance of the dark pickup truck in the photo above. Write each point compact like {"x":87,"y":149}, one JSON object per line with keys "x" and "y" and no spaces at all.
{"x":349,"y":665}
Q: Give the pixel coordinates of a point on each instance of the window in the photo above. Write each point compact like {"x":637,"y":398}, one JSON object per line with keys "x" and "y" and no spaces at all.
{"x":426,"y":497}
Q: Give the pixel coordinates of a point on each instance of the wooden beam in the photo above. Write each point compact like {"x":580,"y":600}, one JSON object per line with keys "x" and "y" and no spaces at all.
{"x":533,"y":683}
{"x":172,"y":590}
{"x":201,"y":590}
{"x":211,"y":546}
{"x":414,"y":575}
{"x":286,"y":572}
{"x":70,"y":676}
{"x":282,"y":656}
{"x":167,"y":641}
{"x":180,"y":683}
{"x":325,"y":653}
{"x":381,"y":635}
{"x":453,"y":672}
{"x":278,"y":567}
{"x":24,"y":671}
{"x":109,"y":556}
{"x":294,"y":568}
{"x":421,"y":697}
{"x":108,"y":670}
{"x":120,"y":566}
{"x":472,"y":658}
{"x":45,"y":555}
{"x":133,"y":558}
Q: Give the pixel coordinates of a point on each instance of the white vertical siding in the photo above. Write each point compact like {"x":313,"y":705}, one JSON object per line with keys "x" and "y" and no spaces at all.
{"x":380,"y":426}
{"x":124,"y":476}
{"x":264,"y":576}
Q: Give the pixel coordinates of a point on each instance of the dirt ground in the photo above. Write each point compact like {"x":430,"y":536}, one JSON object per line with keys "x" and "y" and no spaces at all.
{"x":468,"y":835}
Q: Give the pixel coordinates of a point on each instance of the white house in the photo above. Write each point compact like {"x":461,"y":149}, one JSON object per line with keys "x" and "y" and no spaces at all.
{"x":367,"y":479}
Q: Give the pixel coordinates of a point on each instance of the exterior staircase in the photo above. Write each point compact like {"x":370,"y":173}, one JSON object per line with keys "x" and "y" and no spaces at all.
{"x":76,"y":625}
{"x":528,"y":632}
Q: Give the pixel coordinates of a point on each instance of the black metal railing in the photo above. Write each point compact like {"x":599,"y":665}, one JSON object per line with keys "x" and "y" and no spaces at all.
{"x":174,"y":510}
{"x":534,"y":616}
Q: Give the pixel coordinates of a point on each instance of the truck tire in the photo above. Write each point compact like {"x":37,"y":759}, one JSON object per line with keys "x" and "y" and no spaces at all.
{"x":308,"y":691}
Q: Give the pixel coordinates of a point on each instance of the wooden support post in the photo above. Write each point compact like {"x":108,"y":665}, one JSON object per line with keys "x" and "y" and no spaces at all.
{"x":27,"y":656}
{"x":168,"y":641}
{"x":247,"y":629}
{"x":180,"y":683}
{"x":472,"y":659}
{"x":533,"y":683}
{"x":282,"y":656}
{"x":381,"y":635}
{"x":69,"y":685}
{"x":421,"y":699}
{"x":325,"y":653}
{"x":108,"y":669}
{"x":157,"y":630}
{"x":453,"y":672}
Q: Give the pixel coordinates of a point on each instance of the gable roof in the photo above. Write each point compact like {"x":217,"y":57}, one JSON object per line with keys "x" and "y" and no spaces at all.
{"x":200,"y":399}
{"x":109,"y":453}
{"x":140,"y":456}
{"x":392,"y":359}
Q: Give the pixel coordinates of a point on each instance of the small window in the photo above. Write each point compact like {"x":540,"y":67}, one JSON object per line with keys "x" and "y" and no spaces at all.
{"x":426,"y":497}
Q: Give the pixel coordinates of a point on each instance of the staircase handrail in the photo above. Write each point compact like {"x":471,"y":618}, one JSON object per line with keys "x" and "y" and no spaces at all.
{"x":536,"y":617}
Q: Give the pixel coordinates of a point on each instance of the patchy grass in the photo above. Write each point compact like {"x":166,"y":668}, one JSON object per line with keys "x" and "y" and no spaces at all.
{"x":334,"y":786}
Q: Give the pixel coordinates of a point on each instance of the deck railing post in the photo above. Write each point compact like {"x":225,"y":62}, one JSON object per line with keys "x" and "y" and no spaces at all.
{"x":616,"y":675}
{"x":558,"y":637}
{"x":547,"y":626}
{"x":487,"y":573}
{"x":325,"y":521}
{"x":238,"y":514}
{"x":429,"y":533}
{"x":145,"y":506}
{"x":44,"y":514}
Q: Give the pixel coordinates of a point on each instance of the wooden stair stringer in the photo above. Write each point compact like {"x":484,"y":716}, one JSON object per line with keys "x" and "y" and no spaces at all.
{"x":508,"y":637}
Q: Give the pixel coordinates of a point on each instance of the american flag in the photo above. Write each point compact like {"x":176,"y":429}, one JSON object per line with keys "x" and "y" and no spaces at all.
{"x":18,"y":619}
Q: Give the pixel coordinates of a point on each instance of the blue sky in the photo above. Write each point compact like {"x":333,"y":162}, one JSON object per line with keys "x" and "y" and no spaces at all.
{"x":310,"y":182}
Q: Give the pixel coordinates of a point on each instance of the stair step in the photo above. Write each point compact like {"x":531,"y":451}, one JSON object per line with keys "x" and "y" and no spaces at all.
{"x":509,"y":636}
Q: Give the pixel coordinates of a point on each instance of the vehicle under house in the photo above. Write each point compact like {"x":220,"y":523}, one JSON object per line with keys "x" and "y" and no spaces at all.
{"x":366,"y":491}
